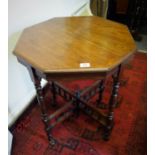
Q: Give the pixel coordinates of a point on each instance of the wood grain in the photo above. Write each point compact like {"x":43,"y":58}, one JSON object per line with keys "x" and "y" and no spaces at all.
{"x":59,"y":45}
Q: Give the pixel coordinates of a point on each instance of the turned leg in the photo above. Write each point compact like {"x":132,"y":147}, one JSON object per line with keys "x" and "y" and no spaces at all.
{"x":77,"y":108}
{"x":52,"y":87}
{"x":112,"y":103}
{"x":99,"y":103}
{"x":37,"y":83}
{"x":43,"y":110}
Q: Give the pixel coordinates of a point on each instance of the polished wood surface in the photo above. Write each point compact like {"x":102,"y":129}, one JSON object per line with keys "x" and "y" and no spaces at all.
{"x":62,"y":44}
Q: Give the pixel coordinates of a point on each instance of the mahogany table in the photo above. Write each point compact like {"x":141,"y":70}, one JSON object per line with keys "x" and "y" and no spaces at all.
{"x":76,"y":48}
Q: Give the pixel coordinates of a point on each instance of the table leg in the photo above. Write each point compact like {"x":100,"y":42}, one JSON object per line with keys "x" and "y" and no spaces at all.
{"x":43,"y":110}
{"x":53,"y":94}
{"x":37,"y":83}
{"x":100,"y":104}
{"x":112,"y":103}
{"x":77,"y":108}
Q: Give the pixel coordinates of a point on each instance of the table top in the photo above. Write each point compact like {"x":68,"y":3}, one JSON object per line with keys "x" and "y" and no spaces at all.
{"x":75,"y":44}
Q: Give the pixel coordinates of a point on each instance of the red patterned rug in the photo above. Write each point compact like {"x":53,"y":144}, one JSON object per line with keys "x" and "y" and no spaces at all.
{"x":79,"y":136}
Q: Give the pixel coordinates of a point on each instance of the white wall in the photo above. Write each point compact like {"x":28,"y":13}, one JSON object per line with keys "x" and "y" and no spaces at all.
{"x":23,"y":13}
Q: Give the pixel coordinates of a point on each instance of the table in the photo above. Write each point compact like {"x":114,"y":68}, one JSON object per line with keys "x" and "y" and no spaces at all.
{"x":68,"y":48}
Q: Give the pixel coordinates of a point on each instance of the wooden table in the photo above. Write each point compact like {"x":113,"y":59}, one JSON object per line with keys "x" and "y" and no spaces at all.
{"x":75,"y":48}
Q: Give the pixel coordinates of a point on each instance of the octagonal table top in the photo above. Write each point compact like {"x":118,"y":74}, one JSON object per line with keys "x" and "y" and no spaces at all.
{"x":75,"y":44}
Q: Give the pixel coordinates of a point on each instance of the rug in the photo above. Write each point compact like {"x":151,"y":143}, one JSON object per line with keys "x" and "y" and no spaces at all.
{"x":79,"y":136}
